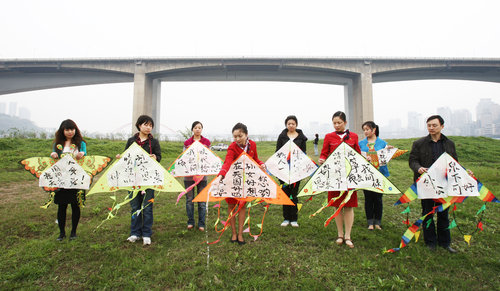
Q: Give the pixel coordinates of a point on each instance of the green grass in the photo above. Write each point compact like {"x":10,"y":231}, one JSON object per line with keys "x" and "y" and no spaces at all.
{"x":282,"y":258}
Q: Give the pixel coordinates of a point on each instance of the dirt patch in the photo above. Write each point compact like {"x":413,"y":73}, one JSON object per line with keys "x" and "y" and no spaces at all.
{"x":22,"y":192}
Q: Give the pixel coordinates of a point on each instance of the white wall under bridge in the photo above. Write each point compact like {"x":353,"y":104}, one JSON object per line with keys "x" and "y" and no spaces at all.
{"x":356,"y":75}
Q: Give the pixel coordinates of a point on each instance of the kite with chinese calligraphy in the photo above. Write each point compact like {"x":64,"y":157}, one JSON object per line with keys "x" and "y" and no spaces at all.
{"x":346,"y":170}
{"x":196,"y":161}
{"x":246,"y":182}
{"x":290,"y":164}
{"x":66,"y":172}
{"x":445,"y":181}
{"x":135,"y":171}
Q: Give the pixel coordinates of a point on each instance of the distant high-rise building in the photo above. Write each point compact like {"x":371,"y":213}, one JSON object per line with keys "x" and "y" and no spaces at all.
{"x":3,"y":106}
{"x":461,"y":117}
{"x":415,"y":121}
{"x":446,"y":114}
{"x":13,"y":108}
{"x":487,"y":112}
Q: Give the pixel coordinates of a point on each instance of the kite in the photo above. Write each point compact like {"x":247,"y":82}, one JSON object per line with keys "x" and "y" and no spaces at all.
{"x":197,"y":161}
{"x":386,"y":154}
{"x":346,"y":170}
{"x":246,"y":182}
{"x":66,"y":172}
{"x":290,"y":164}
{"x":135,"y":171}
{"x":447,"y":182}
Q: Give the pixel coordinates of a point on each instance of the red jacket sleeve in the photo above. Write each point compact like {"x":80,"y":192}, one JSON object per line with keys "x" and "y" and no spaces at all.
{"x":231,"y":155}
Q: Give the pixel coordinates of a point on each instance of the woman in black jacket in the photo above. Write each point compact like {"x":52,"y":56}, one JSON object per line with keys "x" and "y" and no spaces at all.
{"x":291,"y":133}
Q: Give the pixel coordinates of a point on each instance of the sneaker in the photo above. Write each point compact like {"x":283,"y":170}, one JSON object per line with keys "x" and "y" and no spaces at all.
{"x":132,"y":238}
{"x":294,"y":224}
{"x":285,"y":223}
{"x":146,"y":241}
{"x":61,"y":237}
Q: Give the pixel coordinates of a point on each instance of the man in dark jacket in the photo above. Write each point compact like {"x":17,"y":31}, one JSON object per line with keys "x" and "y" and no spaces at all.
{"x":424,"y":152}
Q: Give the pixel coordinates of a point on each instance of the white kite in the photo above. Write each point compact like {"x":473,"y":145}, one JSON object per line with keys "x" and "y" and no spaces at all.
{"x":290,"y":164}
{"x":67,"y":174}
{"x":196,"y":160}
{"x":345,"y":169}
{"x":135,"y":171}
{"x":386,"y":154}
{"x":446,"y":177}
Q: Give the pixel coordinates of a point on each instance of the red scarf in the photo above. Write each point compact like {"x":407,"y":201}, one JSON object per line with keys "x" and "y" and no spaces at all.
{"x":141,"y":143}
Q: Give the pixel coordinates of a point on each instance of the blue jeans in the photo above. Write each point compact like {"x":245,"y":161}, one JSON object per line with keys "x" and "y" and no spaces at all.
{"x":315,"y":149}
{"x":202,"y":206}
{"x":141,"y":225}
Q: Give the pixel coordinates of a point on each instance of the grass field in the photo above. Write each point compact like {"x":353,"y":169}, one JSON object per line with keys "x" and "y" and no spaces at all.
{"x":303,"y":258}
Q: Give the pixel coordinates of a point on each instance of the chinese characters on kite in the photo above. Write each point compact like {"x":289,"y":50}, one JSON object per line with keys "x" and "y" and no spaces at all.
{"x":142,"y":204}
{"x":70,"y":178}
{"x":291,"y":133}
{"x":258,"y":181}
{"x":332,"y":140}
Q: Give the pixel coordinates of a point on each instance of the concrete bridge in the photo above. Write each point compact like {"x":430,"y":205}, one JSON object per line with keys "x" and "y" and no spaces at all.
{"x":356,"y":75}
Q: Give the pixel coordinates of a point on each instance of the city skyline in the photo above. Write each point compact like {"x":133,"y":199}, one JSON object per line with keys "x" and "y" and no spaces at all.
{"x":457,"y":122}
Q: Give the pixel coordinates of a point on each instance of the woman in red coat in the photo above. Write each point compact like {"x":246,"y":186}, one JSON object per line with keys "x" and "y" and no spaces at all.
{"x":331,"y":142}
{"x":241,"y":143}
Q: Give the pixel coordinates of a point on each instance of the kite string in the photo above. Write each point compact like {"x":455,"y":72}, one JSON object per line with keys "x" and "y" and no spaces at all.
{"x":206,"y":237}
{"x":480,"y":218}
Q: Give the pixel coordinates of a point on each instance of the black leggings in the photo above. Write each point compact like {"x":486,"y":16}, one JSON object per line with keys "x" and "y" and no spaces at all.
{"x":61,"y":217}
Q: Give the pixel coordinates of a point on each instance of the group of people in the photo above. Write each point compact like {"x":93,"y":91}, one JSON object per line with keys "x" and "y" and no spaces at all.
{"x":424,"y":153}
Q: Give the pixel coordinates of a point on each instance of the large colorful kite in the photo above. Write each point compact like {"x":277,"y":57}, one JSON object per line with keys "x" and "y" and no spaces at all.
{"x":290,"y":164}
{"x":246,"y":182}
{"x":135,"y":171}
{"x":66,"y":172}
{"x":447,"y":182}
{"x":196,"y":161}
{"x":346,"y":170}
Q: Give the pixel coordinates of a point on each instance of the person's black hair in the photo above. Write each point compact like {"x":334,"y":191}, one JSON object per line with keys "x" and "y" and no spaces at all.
{"x":241,"y":127}
{"x":144,"y":119}
{"x":340,"y":115}
{"x":438,"y":117}
{"x":60,"y":138}
{"x":317,"y":135}
{"x":292,"y":117}
{"x":371,"y":125}
{"x":195,"y":124}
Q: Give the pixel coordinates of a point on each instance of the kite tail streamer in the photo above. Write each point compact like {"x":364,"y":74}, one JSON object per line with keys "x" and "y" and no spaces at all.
{"x":51,"y":199}
{"x":346,"y":199}
{"x":410,"y":232}
{"x":81,"y":198}
{"x":478,"y":225}
{"x":197,"y":180}
{"x":261,"y":223}
{"x":231,"y":215}
{"x":330,"y":203}
{"x":116,"y":207}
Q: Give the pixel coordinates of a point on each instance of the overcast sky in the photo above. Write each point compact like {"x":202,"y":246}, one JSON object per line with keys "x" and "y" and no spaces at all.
{"x":87,"y":29}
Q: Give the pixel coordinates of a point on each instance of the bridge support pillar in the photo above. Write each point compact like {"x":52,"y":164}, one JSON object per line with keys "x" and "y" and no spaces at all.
{"x":147,"y":97}
{"x":358,"y":100}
